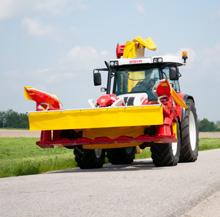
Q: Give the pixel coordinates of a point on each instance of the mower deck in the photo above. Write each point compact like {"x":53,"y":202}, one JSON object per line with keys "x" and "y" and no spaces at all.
{"x":96,"y":118}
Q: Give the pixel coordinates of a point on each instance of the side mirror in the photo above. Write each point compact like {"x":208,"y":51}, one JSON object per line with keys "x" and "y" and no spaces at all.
{"x":97,"y":79}
{"x":173,"y":73}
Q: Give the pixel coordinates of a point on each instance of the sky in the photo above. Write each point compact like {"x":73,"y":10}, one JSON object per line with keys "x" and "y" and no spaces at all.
{"x":54,"y":45}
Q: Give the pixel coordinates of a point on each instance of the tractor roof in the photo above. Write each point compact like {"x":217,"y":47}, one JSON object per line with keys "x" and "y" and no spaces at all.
{"x":147,"y":60}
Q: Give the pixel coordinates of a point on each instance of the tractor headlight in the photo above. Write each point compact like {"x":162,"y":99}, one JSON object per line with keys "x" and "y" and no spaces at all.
{"x":158,"y":60}
{"x":113,"y":63}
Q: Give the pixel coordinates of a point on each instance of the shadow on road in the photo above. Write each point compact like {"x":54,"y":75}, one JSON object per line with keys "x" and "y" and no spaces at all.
{"x":137,"y":165}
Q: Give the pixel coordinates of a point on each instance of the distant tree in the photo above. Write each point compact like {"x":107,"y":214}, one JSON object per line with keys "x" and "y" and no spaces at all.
{"x":205,"y":125}
{"x":218,"y":125}
{"x":12,"y":119}
{"x":2,"y":119}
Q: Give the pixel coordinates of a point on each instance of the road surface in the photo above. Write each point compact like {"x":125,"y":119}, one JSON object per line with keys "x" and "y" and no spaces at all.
{"x":114,"y":191}
{"x":18,"y":133}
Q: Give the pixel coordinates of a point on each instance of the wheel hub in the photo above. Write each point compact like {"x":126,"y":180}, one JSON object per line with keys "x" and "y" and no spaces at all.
{"x":174,"y":148}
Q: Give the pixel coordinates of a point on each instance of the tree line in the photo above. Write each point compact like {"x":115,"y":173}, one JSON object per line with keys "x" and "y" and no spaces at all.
{"x":13,"y":119}
{"x":206,"y":126}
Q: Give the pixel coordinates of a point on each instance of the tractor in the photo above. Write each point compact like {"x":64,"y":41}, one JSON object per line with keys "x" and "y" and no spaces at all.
{"x":142,"y":106}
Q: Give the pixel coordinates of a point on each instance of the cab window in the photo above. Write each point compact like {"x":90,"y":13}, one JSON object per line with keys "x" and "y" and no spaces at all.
{"x":175,"y":84}
{"x":137,"y":81}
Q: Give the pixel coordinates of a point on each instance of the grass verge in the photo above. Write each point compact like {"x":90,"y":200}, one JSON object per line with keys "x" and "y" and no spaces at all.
{"x":20,"y":156}
{"x":204,"y":144}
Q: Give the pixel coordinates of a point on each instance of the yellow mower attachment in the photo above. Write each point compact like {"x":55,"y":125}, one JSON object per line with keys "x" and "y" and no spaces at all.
{"x":96,"y":118}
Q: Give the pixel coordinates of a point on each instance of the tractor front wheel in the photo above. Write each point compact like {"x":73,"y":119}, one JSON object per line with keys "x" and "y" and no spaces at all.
{"x":189,"y":128}
{"x":121,"y":155}
{"x":166,"y":154}
{"x":89,"y":159}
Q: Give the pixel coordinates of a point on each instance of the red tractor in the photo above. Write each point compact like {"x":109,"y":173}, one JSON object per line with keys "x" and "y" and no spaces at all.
{"x":142,"y":107}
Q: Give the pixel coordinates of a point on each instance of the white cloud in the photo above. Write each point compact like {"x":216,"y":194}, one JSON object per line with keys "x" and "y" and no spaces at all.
{"x":215,"y":14}
{"x":84,"y":58}
{"x":35,"y":28}
{"x":52,"y":6}
{"x":51,"y":76}
{"x":210,"y":57}
{"x":12,"y":8}
{"x":7,"y":9}
{"x":140,"y":8}
{"x":58,"y":6}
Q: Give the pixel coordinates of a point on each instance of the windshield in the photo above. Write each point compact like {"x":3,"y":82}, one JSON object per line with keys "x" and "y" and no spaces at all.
{"x":138,"y":81}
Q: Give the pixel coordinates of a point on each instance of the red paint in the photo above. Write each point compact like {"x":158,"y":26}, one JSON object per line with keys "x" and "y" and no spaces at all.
{"x":106,"y":100}
{"x":164,"y":135}
{"x":146,"y":102}
{"x":44,"y":101}
{"x":135,"y":61}
{"x":120,"y":50}
{"x":163,"y":88}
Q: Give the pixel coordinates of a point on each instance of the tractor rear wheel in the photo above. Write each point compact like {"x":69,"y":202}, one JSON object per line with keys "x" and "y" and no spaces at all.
{"x":121,"y":155}
{"x":166,"y":154}
{"x":89,"y":159}
{"x":189,"y":131}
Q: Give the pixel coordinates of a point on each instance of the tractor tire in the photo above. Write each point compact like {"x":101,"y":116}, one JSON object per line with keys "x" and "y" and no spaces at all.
{"x":89,"y":159}
{"x":189,"y":131}
{"x":166,"y":154}
{"x":121,"y":155}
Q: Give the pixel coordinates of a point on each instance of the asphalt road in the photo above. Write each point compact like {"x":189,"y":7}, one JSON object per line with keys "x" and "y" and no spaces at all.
{"x":137,"y":190}
{"x":18,"y":133}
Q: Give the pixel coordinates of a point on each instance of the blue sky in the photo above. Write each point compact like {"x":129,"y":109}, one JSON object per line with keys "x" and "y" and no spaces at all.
{"x":54,"y":45}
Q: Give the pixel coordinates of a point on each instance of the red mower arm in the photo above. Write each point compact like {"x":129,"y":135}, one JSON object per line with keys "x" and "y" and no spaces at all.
{"x":44,"y":101}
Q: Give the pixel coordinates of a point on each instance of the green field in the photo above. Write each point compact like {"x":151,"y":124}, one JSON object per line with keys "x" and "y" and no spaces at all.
{"x":20,"y":156}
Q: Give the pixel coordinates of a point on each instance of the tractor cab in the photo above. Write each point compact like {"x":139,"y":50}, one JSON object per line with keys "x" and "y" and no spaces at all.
{"x":135,"y":80}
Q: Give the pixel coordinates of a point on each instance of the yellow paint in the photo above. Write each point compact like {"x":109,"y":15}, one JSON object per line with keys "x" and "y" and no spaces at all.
{"x":135,"y":48}
{"x":147,"y":43}
{"x":113,"y":132}
{"x":108,"y":146}
{"x":174,"y":126}
{"x":96,"y":118}
{"x":184,"y":54}
{"x":26,"y":95}
{"x":134,"y":78}
{"x":129,"y":50}
{"x":177,"y":99}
